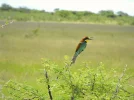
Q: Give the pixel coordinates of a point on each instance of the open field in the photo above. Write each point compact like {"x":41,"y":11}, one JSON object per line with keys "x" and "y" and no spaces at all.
{"x":23,"y":44}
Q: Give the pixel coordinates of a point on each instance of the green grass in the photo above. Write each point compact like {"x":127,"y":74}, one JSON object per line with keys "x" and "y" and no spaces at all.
{"x":23,"y":44}
{"x":65,"y":16}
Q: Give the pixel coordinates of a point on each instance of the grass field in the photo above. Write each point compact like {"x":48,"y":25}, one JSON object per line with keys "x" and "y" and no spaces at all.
{"x":23,"y":44}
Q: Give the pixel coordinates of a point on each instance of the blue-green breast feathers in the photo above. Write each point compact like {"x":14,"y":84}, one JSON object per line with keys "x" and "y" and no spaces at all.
{"x":81,"y":46}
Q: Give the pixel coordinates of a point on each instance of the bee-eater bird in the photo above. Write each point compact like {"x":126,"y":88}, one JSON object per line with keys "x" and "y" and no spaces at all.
{"x":80,"y":47}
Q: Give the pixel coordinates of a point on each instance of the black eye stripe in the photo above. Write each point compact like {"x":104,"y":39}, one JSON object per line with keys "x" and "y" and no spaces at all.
{"x":86,"y":38}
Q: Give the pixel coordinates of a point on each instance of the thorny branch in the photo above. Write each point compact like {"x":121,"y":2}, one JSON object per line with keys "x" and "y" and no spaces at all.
{"x":49,"y":90}
{"x":118,"y":84}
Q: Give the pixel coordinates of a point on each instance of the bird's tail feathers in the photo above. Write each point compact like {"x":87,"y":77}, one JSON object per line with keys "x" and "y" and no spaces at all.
{"x":74,"y":59}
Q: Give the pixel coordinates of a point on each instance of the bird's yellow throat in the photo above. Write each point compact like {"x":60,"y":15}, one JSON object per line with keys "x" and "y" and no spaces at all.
{"x":86,"y":40}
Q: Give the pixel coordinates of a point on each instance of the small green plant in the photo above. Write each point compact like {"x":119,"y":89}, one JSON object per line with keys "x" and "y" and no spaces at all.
{"x":132,"y":23}
{"x":33,"y":34}
{"x":62,"y":83}
{"x":35,"y":31}
{"x":19,"y":91}
{"x":7,"y":23}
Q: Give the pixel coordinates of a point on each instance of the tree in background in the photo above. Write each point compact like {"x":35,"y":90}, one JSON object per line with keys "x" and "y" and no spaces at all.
{"x":120,"y":13}
{"x":107,"y":13}
{"x":6,"y":7}
{"x":103,"y":16}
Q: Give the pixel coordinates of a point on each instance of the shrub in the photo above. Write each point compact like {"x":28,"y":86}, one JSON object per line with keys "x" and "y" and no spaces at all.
{"x":62,"y":83}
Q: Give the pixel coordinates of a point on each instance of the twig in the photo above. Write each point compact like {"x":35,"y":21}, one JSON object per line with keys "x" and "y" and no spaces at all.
{"x":125,"y":90}
{"x":72,"y":97}
{"x":49,"y":90}
{"x":93,"y":82}
{"x":71,"y":83}
{"x":2,"y":26}
{"x":117,"y":86}
{"x":2,"y":95}
{"x":31,"y":98}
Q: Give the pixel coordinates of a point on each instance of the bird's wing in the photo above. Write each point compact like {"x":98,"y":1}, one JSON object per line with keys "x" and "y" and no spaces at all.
{"x":78,"y":46}
{"x":81,"y":46}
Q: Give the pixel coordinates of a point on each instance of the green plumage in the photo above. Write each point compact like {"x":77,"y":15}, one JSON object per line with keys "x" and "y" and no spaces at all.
{"x":81,"y":46}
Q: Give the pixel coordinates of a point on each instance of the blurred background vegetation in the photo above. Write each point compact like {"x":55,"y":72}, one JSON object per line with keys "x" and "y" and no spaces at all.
{"x":102,"y":17}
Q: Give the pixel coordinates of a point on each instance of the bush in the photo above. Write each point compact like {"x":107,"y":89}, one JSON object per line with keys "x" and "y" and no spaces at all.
{"x":132,"y":23}
{"x":6,"y":7}
{"x":61,"y":83}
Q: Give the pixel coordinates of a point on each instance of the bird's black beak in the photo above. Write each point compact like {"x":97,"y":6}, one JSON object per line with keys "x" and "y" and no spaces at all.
{"x":91,"y":38}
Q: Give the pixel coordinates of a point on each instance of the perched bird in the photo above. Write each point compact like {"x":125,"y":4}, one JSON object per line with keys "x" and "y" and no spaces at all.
{"x":80,"y":47}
